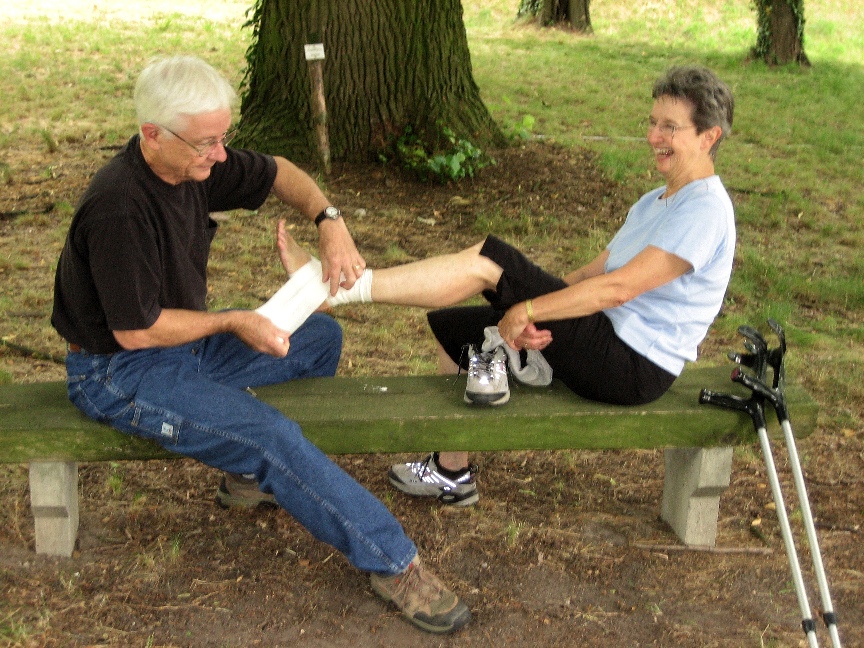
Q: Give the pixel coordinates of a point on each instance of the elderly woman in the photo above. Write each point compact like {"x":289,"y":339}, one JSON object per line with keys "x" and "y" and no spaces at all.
{"x":617,"y":330}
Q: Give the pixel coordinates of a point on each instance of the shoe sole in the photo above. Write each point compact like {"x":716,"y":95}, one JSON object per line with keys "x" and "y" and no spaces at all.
{"x":450,"y":499}
{"x":487,"y":399}
{"x":462,"y":618}
{"x":228,"y":501}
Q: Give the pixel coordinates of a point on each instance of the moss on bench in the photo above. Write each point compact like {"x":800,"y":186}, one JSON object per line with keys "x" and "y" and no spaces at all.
{"x":416,"y":413}
{"x":39,"y":426}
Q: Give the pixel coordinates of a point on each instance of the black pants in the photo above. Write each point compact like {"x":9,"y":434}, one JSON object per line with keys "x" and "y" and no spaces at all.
{"x":585,"y":353}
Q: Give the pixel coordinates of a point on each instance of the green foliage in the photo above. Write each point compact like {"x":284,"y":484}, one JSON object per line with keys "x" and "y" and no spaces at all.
{"x":457,"y":159}
{"x":529,"y":8}
{"x":520,"y":130}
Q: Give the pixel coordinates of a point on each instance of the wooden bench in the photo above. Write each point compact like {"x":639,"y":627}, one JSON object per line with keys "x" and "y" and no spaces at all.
{"x":341,"y":415}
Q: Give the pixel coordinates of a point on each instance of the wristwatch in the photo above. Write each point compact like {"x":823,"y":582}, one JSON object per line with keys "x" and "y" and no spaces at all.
{"x":329,"y":212}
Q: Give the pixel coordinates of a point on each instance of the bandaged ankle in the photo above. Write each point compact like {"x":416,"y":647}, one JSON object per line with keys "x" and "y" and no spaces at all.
{"x":304,"y":293}
{"x":298,"y":298}
{"x":361,"y":291}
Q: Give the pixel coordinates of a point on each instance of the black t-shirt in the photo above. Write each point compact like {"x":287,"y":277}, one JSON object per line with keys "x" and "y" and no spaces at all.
{"x":138,"y":244}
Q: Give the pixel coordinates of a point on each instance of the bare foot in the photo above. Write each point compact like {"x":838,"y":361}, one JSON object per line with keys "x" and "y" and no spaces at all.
{"x":293,"y":256}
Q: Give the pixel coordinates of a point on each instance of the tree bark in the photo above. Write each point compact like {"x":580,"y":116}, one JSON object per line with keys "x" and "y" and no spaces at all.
{"x":390,"y":65}
{"x":574,"y":14}
{"x":780,"y":37}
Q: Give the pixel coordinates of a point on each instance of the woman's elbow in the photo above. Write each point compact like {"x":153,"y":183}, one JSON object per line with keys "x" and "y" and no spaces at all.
{"x":617,"y":298}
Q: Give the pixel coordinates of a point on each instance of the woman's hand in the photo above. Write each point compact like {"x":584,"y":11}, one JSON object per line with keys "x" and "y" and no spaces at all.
{"x":519,"y":333}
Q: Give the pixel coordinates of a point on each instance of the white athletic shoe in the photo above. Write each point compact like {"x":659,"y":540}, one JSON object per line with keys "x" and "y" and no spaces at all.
{"x":487,"y":378}
{"x":422,"y":479}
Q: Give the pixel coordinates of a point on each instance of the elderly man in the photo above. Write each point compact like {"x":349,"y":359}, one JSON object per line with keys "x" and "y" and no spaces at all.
{"x":147,"y":358}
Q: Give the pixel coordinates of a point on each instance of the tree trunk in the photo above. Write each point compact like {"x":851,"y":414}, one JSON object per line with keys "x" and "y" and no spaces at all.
{"x":780,"y":37}
{"x":579,"y":16}
{"x":568,"y":13}
{"x":390,"y":65}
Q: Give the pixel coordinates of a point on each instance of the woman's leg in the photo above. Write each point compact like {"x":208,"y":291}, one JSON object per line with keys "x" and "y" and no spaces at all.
{"x":453,"y":461}
{"x":434,"y":282}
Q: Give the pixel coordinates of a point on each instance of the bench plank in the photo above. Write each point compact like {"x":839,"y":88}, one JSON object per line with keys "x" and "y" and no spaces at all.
{"x":415,"y":414}
{"x":39,"y":426}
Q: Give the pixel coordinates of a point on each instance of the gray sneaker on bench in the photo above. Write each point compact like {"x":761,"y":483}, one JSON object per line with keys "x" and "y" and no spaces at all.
{"x":240,"y":491}
{"x":487,"y":378}
{"x":424,"y":479}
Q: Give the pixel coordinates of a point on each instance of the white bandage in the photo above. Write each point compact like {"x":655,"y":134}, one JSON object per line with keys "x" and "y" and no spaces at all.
{"x":361,"y":291}
{"x":304,"y":293}
{"x":298,"y":298}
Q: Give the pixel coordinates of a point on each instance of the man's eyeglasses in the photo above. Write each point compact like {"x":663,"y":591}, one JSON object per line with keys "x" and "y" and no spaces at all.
{"x":206,"y":148}
{"x":666,"y":129}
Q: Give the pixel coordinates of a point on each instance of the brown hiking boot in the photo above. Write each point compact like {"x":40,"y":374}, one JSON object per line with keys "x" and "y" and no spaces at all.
{"x":423,"y":598}
{"x":242,"y":492}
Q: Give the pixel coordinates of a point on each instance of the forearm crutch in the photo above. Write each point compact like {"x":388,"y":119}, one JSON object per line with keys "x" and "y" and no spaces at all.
{"x":777,"y":397}
{"x":754,"y":406}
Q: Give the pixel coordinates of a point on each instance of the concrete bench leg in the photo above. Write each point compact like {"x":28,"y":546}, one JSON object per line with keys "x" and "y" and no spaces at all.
{"x":694,"y":480}
{"x":54,"y":500}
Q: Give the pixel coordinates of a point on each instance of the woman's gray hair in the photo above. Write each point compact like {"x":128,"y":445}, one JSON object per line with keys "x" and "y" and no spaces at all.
{"x":713,"y":104}
{"x":171,"y":89}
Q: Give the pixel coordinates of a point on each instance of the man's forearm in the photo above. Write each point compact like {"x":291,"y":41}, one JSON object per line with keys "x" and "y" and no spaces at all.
{"x":174,"y":327}
{"x":296,"y":188}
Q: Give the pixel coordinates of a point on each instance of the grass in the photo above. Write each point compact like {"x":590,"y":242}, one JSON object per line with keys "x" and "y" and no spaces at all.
{"x":791,"y":163}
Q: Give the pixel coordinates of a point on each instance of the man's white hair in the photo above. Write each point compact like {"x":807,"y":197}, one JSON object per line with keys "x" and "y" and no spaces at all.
{"x":173,"y":88}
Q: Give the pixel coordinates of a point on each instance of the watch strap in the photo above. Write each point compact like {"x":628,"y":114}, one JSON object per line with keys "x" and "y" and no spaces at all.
{"x":320,"y":217}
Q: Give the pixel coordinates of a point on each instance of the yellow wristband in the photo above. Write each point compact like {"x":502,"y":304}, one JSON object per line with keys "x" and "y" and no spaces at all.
{"x":529,"y":308}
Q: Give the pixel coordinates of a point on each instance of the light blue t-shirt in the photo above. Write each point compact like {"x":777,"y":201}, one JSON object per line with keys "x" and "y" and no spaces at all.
{"x":697,"y":224}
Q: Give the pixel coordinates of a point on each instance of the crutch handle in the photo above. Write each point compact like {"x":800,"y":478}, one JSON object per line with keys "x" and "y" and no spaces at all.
{"x":727,"y":401}
{"x":775,"y":356}
{"x":776,"y":396}
{"x":754,"y":406}
{"x":757,"y":358}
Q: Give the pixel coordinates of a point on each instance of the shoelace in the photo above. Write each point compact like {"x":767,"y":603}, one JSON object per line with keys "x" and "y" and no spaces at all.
{"x":469,"y":348}
{"x":485,"y":363}
{"x":418,"y":580}
{"x":424,"y":470}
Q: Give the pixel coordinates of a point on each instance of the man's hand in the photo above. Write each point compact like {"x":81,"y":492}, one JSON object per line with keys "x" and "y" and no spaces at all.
{"x":341,"y":263}
{"x":340,"y":260}
{"x":260,"y":334}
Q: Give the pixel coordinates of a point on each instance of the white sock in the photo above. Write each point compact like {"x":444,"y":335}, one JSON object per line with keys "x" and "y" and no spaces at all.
{"x":361,"y":291}
{"x":304,"y":293}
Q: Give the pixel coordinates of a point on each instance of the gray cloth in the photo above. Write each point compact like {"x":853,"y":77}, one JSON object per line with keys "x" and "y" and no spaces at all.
{"x":536,"y":371}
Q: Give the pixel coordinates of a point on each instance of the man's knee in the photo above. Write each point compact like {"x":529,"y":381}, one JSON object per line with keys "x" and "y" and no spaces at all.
{"x":325,"y":334}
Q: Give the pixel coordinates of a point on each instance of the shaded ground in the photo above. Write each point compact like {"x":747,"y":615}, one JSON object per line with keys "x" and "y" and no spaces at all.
{"x":549,"y":556}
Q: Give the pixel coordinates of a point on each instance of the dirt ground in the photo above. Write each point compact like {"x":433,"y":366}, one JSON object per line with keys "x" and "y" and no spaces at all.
{"x":556,"y":553}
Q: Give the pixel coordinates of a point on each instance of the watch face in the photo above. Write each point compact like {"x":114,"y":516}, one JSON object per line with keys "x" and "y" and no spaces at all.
{"x":332,"y":212}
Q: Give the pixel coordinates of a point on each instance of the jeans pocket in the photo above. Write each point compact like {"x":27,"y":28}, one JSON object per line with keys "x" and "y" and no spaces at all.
{"x":157,"y":424}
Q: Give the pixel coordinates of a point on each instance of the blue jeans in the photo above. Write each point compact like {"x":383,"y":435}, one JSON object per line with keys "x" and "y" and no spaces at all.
{"x":192,"y":400}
